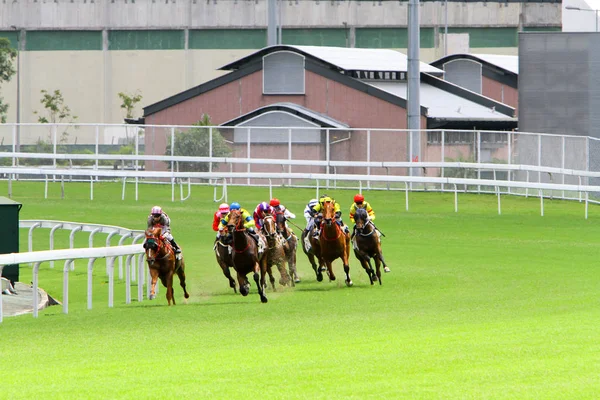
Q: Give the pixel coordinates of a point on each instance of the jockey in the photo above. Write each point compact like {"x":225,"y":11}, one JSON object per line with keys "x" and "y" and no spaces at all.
{"x":220,"y":214}
{"x":159,"y":217}
{"x":260,"y":212}
{"x":279,"y":208}
{"x":248,"y":224}
{"x":308,"y":214}
{"x":359,"y":202}
{"x":317,"y":210}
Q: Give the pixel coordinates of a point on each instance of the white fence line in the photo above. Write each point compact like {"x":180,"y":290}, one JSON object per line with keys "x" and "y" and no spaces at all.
{"x":37,"y":257}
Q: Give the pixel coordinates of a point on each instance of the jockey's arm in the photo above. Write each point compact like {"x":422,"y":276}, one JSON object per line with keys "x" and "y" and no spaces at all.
{"x":352,"y":212}
{"x":337,"y":208}
{"x":371,"y":212}
{"x":224,"y":222}
{"x":216,"y":222}
{"x":248,"y":220}
{"x":288,"y":215}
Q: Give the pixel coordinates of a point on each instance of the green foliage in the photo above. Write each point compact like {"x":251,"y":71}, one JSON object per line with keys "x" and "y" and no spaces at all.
{"x":467,"y":173}
{"x":129,"y":102}
{"x":195,"y":142}
{"x":7,"y":70}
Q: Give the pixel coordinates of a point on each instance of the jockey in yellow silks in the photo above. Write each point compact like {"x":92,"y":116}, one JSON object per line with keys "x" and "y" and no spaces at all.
{"x":318,"y":210}
{"x":359,"y":202}
{"x":248,"y":223}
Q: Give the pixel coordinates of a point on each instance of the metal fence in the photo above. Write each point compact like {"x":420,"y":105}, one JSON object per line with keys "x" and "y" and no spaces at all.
{"x":307,"y":150}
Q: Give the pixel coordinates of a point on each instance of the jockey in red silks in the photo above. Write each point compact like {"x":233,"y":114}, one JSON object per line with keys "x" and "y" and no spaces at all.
{"x":219,"y":215}
{"x":159,"y":217}
{"x":260,"y":212}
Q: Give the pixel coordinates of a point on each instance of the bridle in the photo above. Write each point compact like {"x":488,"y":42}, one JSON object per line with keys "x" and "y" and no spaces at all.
{"x":154,"y":243}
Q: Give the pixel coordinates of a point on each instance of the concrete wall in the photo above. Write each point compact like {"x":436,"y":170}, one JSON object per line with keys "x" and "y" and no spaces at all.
{"x":106,"y":14}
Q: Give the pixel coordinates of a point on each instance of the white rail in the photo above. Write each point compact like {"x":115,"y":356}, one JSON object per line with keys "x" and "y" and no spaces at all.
{"x":37,"y":257}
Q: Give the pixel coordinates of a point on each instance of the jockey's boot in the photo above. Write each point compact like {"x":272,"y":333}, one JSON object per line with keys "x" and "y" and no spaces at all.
{"x":175,"y":246}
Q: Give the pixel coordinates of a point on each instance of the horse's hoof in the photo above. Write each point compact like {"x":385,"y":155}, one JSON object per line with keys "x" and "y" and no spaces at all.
{"x":319,"y":277}
{"x":349,"y":282}
{"x":151,"y":297}
{"x":297,"y":280}
{"x":386,"y":269}
{"x":187,"y":295}
{"x":263,"y":299}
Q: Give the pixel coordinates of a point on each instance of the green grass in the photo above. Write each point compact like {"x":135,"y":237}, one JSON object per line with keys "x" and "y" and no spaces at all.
{"x":478,"y":305}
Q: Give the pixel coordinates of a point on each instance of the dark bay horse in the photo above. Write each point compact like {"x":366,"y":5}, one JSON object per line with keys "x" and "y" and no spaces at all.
{"x":245,"y":256}
{"x":224,"y":254}
{"x":368,"y":245}
{"x":275,"y":251}
{"x":335,"y":243}
{"x":292,"y":245}
{"x":163,"y":264}
{"x":314,"y":252}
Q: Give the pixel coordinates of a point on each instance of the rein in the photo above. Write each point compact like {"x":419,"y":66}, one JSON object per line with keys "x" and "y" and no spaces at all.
{"x":367,"y":234}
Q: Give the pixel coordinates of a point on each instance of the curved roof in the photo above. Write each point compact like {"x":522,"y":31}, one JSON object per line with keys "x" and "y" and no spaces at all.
{"x":343,"y":58}
{"x":507,"y":64}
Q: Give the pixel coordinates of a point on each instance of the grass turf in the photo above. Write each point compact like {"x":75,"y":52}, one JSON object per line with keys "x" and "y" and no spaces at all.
{"x":478,"y":305}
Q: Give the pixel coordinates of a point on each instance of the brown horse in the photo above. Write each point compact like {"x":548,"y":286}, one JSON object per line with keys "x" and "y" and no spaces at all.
{"x":368,"y":245}
{"x":275,"y":250}
{"x":292,"y":245}
{"x":335,"y":243}
{"x":162,"y":263}
{"x":245,"y":256}
{"x":223,"y":252}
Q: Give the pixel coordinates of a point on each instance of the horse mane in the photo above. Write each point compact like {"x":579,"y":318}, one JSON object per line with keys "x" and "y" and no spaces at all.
{"x":155,"y":230}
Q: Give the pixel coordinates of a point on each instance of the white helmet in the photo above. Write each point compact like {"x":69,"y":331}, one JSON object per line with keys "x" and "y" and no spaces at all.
{"x":313,"y":202}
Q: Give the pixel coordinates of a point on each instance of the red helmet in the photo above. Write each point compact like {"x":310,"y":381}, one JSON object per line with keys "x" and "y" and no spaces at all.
{"x":359,"y":198}
{"x":274,"y":202}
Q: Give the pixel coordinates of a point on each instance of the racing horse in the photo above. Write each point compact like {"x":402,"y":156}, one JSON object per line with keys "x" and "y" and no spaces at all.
{"x":223,"y":252}
{"x":275,"y":250}
{"x":163,"y":264}
{"x":334,"y":242}
{"x":292,"y":245}
{"x":313,"y":252}
{"x":368,"y":245}
{"x":245,"y":257}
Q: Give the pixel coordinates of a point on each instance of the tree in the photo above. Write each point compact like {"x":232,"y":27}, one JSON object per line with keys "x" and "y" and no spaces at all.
{"x":195,"y":142}
{"x":7,"y":70}
{"x":129,"y":102}
{"x":56,"y":112}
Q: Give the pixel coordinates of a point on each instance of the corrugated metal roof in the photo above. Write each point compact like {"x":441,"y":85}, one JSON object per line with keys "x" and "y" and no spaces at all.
{"x":509,"y":63}
{"x":356,"y":59}
{"x":442,"y":104}
{"x":298,"y":109}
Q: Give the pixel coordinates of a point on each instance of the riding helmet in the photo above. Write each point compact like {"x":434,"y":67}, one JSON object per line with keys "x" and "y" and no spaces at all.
{"x":359,"y":198}
{"x":156,"y":210}
{"x":274,"y":202}
{"x":224,"y":208}
{"x":235,"y":206}
{"x":264,"y":207}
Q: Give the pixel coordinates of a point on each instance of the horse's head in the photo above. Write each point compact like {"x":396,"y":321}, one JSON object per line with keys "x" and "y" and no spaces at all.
{"x":328,"y":211}
{"x":269,"y":226}
{"x":280,"y":220}
{"x":235,"y":221}
{"x":153,"y":243}
{"x":361,"y":218}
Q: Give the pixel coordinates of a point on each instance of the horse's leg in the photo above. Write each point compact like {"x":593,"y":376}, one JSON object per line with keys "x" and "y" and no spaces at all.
{"x":181,"y":275}
{"x":329,"y":265}
{"x":380,"y":256}
{"x":292,"y":262}
{"x":169,"y":285}
{"x":378,"y":266}
{"x":345,"y":257}
{"x":225,"y":270}
{"x":365,"y":263}
{"x":154,"y":279}
{"x":284,"y":279}
{"x":259,"y":267}
{"x":243,"y":282}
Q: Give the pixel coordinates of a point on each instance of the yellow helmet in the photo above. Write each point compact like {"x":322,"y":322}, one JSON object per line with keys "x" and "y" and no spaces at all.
{"x":326,"y":199}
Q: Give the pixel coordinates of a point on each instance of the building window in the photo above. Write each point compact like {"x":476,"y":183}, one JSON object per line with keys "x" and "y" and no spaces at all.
{"x":283,"y":73}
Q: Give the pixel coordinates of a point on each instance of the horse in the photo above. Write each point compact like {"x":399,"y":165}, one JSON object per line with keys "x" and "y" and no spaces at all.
{"x":314,"y":252}
{"x":292,"y":245}
{"x":245,"y":256}
{"x":368,"y":245}
{"x":334,"y":242}
{"x":162,"y":263}
{"x":223,"y":252}
{"x":275,"y":251}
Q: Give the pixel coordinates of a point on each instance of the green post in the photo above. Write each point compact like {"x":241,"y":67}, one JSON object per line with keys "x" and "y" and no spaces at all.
{"x":9,"y":215}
